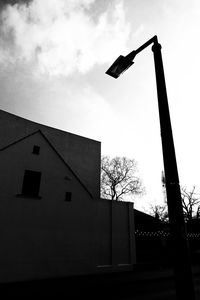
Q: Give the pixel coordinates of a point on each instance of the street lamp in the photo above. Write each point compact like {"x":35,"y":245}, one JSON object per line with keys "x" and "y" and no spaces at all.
{"x":181,"y":257}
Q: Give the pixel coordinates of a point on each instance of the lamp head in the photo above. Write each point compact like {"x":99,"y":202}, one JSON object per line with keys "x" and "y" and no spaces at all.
{"x":121,"y":64}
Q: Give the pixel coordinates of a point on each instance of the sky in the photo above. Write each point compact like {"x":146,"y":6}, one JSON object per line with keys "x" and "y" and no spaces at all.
{"x":53,"y":58}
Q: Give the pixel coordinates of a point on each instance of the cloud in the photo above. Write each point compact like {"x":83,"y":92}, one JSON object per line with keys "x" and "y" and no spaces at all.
{"x":60,"y":37}
{"x":138,"y":31}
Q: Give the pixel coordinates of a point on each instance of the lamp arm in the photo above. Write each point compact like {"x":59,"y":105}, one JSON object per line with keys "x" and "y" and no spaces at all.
{"x":133,"y":53}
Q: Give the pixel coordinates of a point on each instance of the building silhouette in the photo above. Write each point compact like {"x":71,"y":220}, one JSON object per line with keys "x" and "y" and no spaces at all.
{"x":52,"y":220}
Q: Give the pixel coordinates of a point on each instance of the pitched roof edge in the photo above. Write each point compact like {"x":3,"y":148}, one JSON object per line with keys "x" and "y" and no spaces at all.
{"x":19,"y":140}
{"x":47,"y":126}
{"x":63,"y":160}
{"x":55,"y":150}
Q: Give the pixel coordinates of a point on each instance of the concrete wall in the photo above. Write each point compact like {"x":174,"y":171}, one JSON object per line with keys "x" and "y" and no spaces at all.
{"x":115,"y":241}
{"x":82,"y":154}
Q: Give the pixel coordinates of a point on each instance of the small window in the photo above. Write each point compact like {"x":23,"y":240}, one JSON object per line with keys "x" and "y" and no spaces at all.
{"x":36,"y":150}
{"x":31,"y":183}
{"x":68,"y":196}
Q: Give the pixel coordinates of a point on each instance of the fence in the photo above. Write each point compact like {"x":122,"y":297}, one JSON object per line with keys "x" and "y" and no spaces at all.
{"x":156,"y":247}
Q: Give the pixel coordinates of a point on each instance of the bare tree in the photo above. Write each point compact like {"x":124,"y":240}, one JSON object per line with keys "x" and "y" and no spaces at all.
{"x":118,"y":178}
{"x":160,"y":212}
{"x":190,"y":201}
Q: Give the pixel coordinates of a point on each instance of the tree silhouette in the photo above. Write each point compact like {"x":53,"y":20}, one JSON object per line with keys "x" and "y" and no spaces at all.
{"x":190,"y":201}
{"x":160,"y":212}
{"x":118,"y":178}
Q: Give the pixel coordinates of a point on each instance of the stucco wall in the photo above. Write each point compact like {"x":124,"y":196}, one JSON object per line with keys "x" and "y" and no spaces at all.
{"x":45,"y":237}
{"x":115,"y":241}
{"x":50,"y":237}
{"x":82,"y":154}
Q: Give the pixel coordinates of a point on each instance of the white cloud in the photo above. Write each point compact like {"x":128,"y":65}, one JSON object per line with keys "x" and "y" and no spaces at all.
{"x":60,"y":36}
{"x":139,"y":31}
{"x":76,"y":107}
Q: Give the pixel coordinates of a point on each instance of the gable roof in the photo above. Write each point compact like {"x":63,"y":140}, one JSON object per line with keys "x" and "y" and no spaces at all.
{"x":54,"y":149}
{"x":83,"y":154}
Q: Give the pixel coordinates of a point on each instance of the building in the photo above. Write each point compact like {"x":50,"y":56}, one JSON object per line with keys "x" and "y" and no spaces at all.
{"x":52,"y":220}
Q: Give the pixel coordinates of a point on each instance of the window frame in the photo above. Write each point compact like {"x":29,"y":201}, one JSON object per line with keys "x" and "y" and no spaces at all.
{"x":31,"y":184}
{"x":68,"y":196}
{"x":36,"y":150}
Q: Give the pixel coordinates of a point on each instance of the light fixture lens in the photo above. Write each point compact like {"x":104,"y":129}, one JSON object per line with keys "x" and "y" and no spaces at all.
{"x":120,"y":65}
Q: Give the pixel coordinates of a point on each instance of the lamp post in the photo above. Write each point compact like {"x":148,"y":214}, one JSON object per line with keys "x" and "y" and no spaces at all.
{"x":181,"y":257}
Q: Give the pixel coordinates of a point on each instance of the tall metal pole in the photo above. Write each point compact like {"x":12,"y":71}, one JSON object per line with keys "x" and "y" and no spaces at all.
{"x":181,"y":257}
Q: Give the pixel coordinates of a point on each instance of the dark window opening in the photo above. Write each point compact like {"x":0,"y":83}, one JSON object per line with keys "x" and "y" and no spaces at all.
{"x":36,"y":150}
{"x":68,"y":196}
{"x":31,"y":183}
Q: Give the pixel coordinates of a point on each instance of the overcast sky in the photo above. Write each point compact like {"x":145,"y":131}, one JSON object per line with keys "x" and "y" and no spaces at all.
{"x":53,"y":58}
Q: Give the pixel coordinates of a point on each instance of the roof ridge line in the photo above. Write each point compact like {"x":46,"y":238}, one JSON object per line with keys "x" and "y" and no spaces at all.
{"x":55,"y":150}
